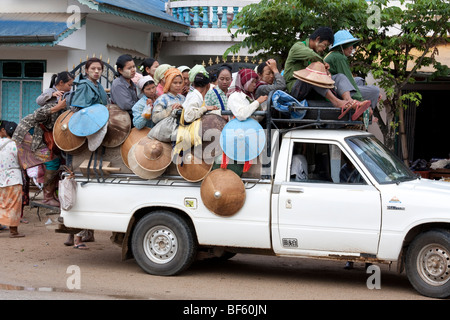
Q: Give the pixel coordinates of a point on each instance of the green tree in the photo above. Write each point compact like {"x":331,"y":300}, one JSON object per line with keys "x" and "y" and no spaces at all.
{"x":395,"y":43}
{"x":271,"y":27}
{"x":407,"y":39}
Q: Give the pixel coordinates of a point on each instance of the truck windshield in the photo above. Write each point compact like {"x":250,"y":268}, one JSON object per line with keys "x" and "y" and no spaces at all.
{"x":382,"y":163}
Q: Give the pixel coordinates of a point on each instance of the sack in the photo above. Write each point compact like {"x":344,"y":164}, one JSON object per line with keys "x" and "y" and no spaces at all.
{"x":284,"y":102}
{"x":164,"y":130}
{"x":187,"y":135}
{"x":67,"y":193}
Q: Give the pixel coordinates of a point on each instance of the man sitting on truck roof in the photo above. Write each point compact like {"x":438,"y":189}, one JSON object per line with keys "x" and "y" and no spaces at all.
{"x":301,"y":54}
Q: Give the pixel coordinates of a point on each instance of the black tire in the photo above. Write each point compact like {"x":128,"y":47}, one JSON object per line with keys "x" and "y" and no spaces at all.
{"x":163,"y":244}
{"x":428,"y":263}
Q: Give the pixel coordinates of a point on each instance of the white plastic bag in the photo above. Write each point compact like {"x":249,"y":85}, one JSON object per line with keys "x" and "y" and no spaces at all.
{"x":67,"y":192}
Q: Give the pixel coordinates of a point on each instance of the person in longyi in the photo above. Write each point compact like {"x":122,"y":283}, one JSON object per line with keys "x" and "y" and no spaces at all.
{"x":10,"y":180}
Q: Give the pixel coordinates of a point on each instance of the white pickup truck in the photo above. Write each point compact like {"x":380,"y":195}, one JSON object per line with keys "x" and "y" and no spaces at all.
{"x":355,"y":202}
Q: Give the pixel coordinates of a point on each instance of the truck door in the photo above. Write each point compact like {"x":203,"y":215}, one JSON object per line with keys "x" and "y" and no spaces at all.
{"x":326,"y":203}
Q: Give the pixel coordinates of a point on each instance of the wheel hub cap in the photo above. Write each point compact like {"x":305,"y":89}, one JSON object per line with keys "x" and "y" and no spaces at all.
{"x":160,"y":244}
{"x":434,"y":265}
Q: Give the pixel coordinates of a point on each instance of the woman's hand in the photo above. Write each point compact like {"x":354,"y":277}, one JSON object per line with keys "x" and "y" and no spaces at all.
{"x":261,"y":99}
{"x":211,"y":108}
{"x":59,"y":106}
{"x":272,"y":64}
{"x":176,"y":106}
{"x":57,"y":94}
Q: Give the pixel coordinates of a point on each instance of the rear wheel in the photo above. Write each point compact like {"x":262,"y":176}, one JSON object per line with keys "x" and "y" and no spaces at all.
{"x":163,"y":244}
{"x":428,"y":263}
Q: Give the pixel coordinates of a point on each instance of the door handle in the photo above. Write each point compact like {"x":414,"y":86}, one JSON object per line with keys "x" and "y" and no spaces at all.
{"x":295,"y":190}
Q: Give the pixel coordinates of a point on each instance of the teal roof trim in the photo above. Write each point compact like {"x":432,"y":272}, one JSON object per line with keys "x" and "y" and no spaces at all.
{"x":34,"y":33}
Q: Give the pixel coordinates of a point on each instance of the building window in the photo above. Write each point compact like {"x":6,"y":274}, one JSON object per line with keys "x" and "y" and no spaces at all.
{"x":22,"y":69}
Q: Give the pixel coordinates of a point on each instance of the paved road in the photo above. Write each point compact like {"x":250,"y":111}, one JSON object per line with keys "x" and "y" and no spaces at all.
{"x":39,"y":266}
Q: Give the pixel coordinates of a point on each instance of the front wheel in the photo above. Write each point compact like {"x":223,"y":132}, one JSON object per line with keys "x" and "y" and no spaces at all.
{"x":428,"y":263}
{"x":163,"y":244}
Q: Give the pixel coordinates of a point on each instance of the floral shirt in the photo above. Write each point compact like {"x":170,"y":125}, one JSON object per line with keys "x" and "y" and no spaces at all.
{"x":10,"y":173}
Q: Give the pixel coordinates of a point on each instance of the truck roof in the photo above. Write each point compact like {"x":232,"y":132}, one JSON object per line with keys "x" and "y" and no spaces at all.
{"x":325,"y":134}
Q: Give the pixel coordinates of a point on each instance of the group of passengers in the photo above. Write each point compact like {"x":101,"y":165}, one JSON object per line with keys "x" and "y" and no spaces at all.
{"x":158,"y":91}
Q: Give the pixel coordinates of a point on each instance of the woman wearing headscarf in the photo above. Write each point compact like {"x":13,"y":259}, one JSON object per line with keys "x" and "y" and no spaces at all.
{"x":159,"y":78}
{"x":165,"y":108}
{"x":241,"y":99}
{"x":171,"y":100}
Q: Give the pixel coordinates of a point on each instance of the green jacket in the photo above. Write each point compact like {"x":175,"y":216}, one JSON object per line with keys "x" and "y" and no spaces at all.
{"x":339,"y":64}
{"x":87,"y":93}
{"x":299,"y":57}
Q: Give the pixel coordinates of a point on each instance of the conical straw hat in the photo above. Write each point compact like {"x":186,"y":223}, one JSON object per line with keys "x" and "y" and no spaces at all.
{"x":192,"y":168}
{"x":153,"y":155}
{"x":119,"y":127}
{"x":138,"y":170}
{"x":223,"y":192}
{"x":64,"y":139}
{"x":315,"y":74}
{"x":88,"y":120}
{"x":133,"y":138}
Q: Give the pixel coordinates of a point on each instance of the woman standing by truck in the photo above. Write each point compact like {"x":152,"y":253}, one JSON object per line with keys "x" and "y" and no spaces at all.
{"x":10,"y":180}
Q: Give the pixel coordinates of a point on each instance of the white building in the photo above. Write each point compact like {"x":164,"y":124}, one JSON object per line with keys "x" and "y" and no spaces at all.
{"x":40,"y":38}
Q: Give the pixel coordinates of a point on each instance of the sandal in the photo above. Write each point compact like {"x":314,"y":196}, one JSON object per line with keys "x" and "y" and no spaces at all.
{"x":16,"y":235}
{"x":348,"y":106}
{"x":81,"y":246}
{"x":360,"y":108}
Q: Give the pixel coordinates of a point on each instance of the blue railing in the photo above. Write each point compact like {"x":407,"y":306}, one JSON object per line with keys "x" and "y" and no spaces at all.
{"x":207,"y":13}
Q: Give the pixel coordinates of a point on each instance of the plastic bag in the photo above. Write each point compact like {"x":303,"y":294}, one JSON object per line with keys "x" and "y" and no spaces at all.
{"x":67,"y":193}
{"x":37,"y":173}
{"x":164,"y":130}
{"x":147,"y":112}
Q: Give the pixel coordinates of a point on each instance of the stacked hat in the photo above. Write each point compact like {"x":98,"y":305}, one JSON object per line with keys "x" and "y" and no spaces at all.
{"x":64,"y":139}
{"x":138,"y":170}
{"x":315,"y":74}
{"x":152,"y":154}
{"x":118,"y":127}
{"x":90,"y":122}
{"x":212,"y":126}
{"x":133,"y":138}
{"x":191,"y":167}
